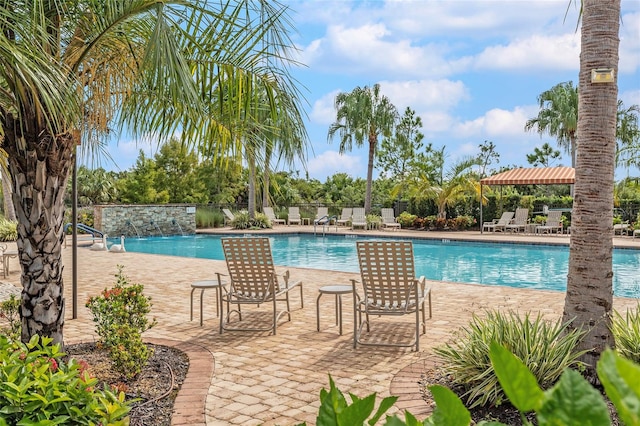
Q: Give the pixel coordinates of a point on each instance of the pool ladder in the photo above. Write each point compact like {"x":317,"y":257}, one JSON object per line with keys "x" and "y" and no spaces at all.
{"x":325,"y":221}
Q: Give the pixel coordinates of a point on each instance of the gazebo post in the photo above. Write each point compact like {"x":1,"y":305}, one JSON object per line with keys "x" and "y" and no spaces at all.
{"x":481,"y":222}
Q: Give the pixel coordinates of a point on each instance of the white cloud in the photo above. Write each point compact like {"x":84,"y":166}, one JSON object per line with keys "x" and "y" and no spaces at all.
{"x":423,"y":95}
{"x":496,"y":123}
{"x":331,"y":162}
{"x":535,"y":52}
{"x":323,"y":111}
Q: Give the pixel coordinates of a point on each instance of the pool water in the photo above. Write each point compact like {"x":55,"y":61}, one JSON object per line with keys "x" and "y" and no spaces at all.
{"x":514,"y":265}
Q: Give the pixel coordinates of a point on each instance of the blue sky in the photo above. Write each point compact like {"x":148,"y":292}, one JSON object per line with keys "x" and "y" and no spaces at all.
{"x":472,"y":69}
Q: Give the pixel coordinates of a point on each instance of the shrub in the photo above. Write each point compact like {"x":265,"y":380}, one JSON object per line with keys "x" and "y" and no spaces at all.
{"x":39,"y":387}
{"x":120,"y":314}
{"x":626,"y":333}
{"x":10,"y":312}
{"x":374,"y":220}
{"x":206,"y":218}
{"x":8,"y":230}
{"x":545,"y":348}
{"x":242,"y":221}
{"x":406,"y":220}
{"x":463,"y":222}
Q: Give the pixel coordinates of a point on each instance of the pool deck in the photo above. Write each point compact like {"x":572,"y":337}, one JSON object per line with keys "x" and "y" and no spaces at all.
{"x":254,"y":378}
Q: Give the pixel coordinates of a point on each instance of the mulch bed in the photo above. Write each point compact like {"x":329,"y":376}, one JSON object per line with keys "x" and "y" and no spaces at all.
{"x":156,"y":387}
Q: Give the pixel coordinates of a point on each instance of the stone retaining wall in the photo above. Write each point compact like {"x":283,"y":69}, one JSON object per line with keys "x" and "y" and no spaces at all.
{"x":145,"y":220}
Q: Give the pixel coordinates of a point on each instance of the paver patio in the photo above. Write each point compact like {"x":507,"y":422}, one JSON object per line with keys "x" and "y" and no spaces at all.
{"x":257,"y":378}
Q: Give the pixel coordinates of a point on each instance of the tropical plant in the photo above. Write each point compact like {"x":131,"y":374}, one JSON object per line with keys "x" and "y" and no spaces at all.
{"x":10,"y":313}
{"x":120,"y":314}
{"x":545,"y":348}
{"x":626,"y":333}
{"x":75,"y":70}
{"x":363,"y":114}
{"x":558,"y":116}
{"x":8,"y":230}
{"x":589,"y":295}
{"x":628,"y":136}
{"x":41,"y":387}
{"x":242,"y":220}
{"x":457,"y":183}
{"x":543,"y":156}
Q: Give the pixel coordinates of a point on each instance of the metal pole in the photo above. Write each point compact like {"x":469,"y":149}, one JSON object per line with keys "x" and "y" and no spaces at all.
{"x":74,"y":236}
{"x":481,"y":222}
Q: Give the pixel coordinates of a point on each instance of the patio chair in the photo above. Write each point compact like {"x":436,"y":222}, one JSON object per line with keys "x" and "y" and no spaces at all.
{"x":272,"y":216}
{"x":322,"y":216}
{"x":389,"y":219}
{"x":552,"y":224}
{"x":389,"y":288}
{"x":358,"y":218}
{"x":228,"y":217}
{"x":294,"y":216}
{"x":498,"y":224}
{"x":253,"y":281}
{"x":345,"y":216}
{"x":520,"y":221}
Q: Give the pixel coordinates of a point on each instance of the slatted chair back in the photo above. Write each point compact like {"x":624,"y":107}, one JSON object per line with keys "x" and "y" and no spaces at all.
{"x":251,"y":269}
{"x":388,"y":275}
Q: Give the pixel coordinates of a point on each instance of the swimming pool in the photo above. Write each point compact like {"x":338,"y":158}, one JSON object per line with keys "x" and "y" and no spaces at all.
{"x":514,"y":265}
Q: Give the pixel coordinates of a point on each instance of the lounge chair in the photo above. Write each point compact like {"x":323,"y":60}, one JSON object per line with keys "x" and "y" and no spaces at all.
{"x":389,"y":219}
{"x":345,"y":216}
{"x":253,"y":280}
{"x":552,"y":224}
{"x":272,"y":216}
{"x":359,"y":218}
{"x":294,"y":216}
{"x":228,"y":217}
{"x":519,"y":222}
{"x":322,"y":216}
{"x":389,"y":288}
{"x":622,"y":228}
{"x":498,"y":224}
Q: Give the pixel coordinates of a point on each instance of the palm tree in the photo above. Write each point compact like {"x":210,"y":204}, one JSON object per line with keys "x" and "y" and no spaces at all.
{"x":558,"y":116}
{"x":589,"y":297}
{"x":70,"y":70}
{"x":363,"y":113}
{"x":457,"y":183}
{"x":627,"y":135}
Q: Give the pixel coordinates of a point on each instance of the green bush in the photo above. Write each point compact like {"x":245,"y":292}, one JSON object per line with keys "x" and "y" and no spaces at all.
{"x":8,"y":230}
{"x":39,"y":387}
{"x":10,"y":312}
{"x":406,"y":220}
{"x":545,"y":348}
{"x":208,"y":218}
{"x":120,"y":314}
{"x":242,"y":221}
{"x":626,"y":333}
{"x":374,"y":220}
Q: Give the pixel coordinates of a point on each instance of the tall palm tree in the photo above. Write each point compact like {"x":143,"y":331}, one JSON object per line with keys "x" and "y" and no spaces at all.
{"x":73,"y":70}
{"x":628,"y":135}
{"x":363,"y":114}
{"x":558,"y":116}
{"x":589,"y":299}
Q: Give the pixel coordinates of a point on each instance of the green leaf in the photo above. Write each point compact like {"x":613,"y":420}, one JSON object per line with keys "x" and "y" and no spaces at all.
{"x":382,"y":408}
{"x":573,"y":401}
{"x":331,"y":404}
{"x":358,"y":412}
{"x":450,"y":410}
{"x":621,"y":380}
{"x":520,"y":386}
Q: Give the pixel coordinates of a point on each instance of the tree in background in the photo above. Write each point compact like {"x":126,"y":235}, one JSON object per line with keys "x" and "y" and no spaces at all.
{"x":558,"y":116}
{"x":176,"y":173}
{"x":342,"y":188}
{"x":399,"y":153}
{"x":446,"y":187}
{"x":487,"y":156}
{"x":138,"y":186}
{"x":95,"y":186}
{"x":589,"y":295}
{"x":73,"y":71}
{"x":627,"y":136}
{"x":363,"y":114}
{"x":543,"y":156}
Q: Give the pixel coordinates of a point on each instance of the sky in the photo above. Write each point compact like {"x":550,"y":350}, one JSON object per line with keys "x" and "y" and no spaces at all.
{"x":471,"y":69}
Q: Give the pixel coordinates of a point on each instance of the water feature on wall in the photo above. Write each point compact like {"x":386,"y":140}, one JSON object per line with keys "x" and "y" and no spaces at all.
{"x":139,"y":221}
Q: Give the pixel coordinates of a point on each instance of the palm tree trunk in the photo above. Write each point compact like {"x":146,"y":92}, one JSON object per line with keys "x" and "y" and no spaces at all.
{"x":40,"y":165}
{"x":7,"y":197}
{"x":589,"y":299}
{"x":372,"y":152}
{"x":252,"y":186}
